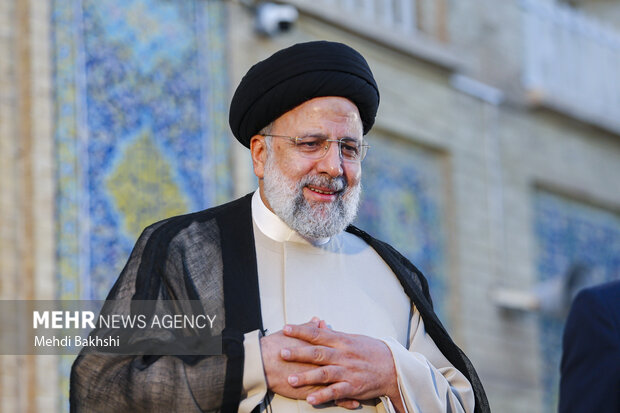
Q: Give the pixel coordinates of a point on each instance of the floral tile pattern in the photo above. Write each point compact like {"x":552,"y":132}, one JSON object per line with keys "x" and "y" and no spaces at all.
{"x":140,"y":98}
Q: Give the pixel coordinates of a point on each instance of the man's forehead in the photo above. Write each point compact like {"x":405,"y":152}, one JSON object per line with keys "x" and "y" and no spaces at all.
{"x":318,"y":114}
{"x":334,"y":104}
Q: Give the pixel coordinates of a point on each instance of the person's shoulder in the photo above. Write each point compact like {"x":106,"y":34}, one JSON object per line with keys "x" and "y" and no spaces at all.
{"x":383,"y":248}
{"x":171,"y":227}
{"x":607,"y":294}
{"x":609,"y":289}
{"x":369,"y":239}
{"x":594,"y":306}
{"x":394,"y":259}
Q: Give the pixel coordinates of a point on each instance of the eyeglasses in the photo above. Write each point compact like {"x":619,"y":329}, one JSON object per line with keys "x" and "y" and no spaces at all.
{"x":315,"y":147}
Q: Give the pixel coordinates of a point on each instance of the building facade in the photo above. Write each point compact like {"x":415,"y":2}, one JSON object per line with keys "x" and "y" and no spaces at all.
{"x":493,"y":163}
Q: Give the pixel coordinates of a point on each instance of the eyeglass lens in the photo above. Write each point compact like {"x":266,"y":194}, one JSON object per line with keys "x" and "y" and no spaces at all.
{"x":316,"y":147}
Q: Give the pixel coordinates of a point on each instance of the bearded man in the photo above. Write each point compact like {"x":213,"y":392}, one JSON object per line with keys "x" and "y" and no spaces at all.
{"x":317,"y":312}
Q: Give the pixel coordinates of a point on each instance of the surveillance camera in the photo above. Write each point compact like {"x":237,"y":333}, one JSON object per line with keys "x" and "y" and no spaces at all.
{"x":274,"y":18}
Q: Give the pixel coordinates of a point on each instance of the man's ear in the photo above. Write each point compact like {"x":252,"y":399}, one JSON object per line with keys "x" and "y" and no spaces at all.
{"x":258,"y":149}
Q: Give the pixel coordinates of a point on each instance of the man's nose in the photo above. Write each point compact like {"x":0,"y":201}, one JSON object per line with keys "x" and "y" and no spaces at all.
{"x":331,"y":163}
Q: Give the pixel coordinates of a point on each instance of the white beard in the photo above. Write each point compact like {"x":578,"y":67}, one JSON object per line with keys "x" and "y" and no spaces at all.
{"x":313,"y":220}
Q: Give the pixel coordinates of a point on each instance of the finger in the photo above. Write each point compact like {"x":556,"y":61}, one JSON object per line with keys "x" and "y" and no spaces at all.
{"x":320,"y":375}
{"x":350,"y":404}
{"x":336,"y":391}
{"x":311,"y":334}
{"x":314,"y":322}
{"x":323,"y":324}
{"x":319,"y":355}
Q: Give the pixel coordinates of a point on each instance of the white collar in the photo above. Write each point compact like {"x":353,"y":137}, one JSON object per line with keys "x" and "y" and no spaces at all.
{"x":273,"y":227}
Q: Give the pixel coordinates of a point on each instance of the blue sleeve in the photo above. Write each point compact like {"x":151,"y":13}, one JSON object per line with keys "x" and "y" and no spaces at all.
{"x":590,"y":369}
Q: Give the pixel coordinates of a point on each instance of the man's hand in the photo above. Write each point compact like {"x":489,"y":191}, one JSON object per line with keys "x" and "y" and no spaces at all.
{"x":277,"y":370}
{"x":351,"y":366}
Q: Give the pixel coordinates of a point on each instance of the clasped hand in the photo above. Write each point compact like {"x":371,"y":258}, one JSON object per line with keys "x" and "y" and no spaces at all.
{"x":312,"y":362}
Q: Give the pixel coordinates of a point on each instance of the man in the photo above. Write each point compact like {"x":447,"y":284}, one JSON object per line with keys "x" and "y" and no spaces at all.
{"x":276,"y":259}
{"x":590,"y":369}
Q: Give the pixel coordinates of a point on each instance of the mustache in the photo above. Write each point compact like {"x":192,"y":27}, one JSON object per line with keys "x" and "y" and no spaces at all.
{"x":336,"y":184}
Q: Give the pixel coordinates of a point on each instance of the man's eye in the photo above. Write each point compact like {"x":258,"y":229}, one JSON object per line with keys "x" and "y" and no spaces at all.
{"x":310,"y":143}
{"x":349,"y":148}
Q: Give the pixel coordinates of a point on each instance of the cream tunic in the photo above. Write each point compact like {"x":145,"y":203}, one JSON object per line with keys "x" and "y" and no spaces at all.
{"x":345,"y":282}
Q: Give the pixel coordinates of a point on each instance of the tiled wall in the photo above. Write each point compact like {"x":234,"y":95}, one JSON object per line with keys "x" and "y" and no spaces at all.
{"x":139,"y":89}
{"x":140,"y":92}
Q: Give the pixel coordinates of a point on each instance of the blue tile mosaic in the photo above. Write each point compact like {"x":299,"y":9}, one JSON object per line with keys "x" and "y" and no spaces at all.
{"x":140,"y":96}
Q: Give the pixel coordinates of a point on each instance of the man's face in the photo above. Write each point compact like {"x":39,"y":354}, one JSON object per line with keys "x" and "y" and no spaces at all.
{"x":316,"y":197}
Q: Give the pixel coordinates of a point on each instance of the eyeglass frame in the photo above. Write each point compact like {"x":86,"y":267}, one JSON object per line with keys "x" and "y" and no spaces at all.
{"x":340,"y":141}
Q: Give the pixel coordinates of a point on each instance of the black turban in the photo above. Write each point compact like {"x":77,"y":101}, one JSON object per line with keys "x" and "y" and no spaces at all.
{"x":297,"y":74}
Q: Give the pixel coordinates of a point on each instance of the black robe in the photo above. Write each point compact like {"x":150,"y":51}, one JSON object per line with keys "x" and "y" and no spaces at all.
{"x":210,"y":256}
